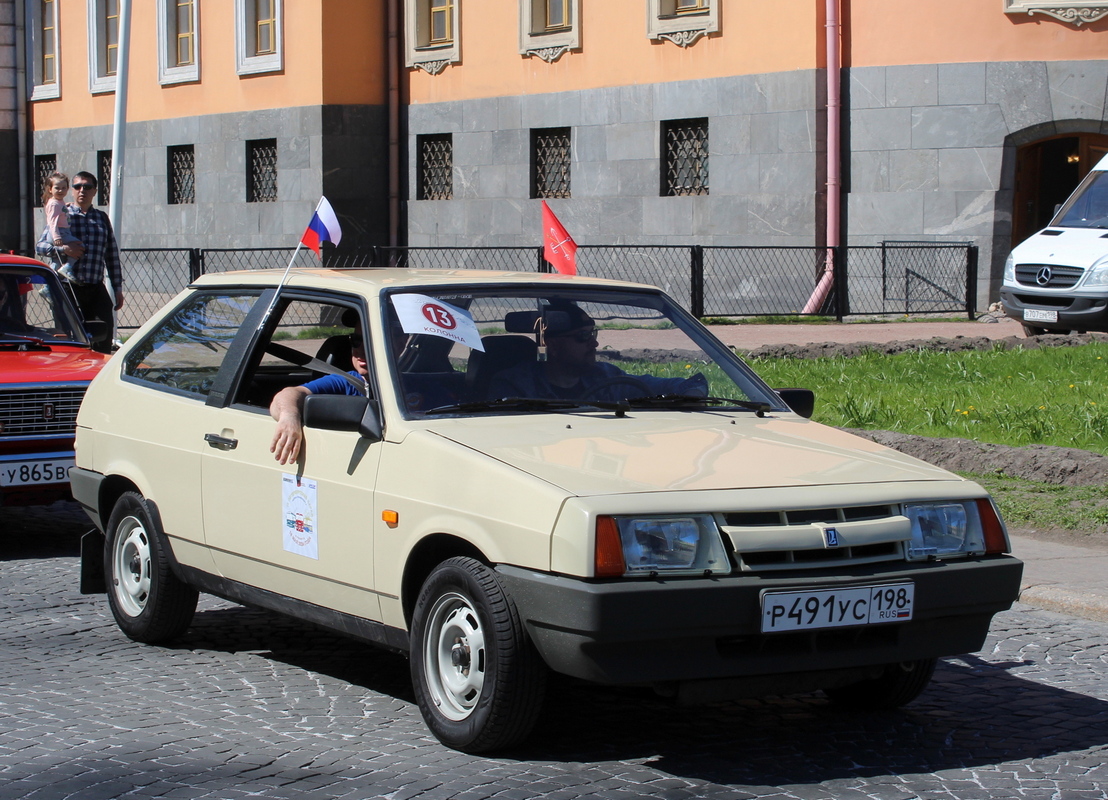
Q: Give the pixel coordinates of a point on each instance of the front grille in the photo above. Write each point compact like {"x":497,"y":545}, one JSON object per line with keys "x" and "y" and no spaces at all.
{"x":797,"y":538}
{"x":1048,"y":276}
{"x":39,"y":410}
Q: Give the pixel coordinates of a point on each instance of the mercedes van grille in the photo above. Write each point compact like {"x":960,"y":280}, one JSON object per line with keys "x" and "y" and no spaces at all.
{"x":1048,"y":276}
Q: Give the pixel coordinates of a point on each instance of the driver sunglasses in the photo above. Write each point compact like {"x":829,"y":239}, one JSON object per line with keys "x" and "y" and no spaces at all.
{"x":581,"y":337}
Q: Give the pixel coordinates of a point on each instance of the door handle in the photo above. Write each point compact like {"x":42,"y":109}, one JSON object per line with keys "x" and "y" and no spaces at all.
{"x":220,"y":442}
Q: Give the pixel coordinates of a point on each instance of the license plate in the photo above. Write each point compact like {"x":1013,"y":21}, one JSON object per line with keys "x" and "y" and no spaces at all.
{"x":837,"y":608}
{"x":30,"y":473}
{"x":1039,"y":315}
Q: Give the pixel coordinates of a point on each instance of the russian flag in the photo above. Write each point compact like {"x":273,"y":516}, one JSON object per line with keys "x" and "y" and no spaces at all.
{"x":324,"y":227}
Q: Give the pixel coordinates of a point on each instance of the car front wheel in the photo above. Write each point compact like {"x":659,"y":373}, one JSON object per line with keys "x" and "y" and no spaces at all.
{"x":477,"y":677}
{"x":149,"y":603}
{"x":898,"y":685}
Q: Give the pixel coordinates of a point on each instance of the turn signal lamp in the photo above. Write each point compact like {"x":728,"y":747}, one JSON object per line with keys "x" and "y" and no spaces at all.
{"x":993,"y":528}
{"x":609,"y":549}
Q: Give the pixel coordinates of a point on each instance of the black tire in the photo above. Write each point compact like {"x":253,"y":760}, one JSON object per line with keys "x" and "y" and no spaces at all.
{"x":899,"y":685}
{"x":149,"y":603}
{"x":1037,"y":330}
{"x":477,"y":677}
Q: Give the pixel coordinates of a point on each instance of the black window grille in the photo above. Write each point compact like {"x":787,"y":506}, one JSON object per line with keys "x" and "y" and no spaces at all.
{"x":550,"y":157}
{"x":261,"y":177}
{"x":103,"y":177}
{"x":685,"y":143}
{"x":181,"y":171}
{"x":436,"y":167}
{"x":45,"y":166}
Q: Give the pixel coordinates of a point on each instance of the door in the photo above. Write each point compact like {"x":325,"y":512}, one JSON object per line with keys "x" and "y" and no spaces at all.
{"x":303,"y":530}
{"x":1047,"y":172}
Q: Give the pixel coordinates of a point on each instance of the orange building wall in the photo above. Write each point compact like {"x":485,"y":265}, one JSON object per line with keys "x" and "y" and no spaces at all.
{"x":350,"y":70}
{"x":756,"y":37}
{"x":895,"y":32}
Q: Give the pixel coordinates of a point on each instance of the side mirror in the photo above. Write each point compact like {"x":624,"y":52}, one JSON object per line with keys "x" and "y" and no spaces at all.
{"x":802,"y":401}
{"x":96,"y":329}
{"x":340,"y":412}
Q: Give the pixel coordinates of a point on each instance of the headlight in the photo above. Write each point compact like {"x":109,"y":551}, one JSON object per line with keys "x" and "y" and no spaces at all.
{"x":674,"y":545}
{"x":1097,"y":276}
{"x":1010,"y":270}
{"x":941,"y":530}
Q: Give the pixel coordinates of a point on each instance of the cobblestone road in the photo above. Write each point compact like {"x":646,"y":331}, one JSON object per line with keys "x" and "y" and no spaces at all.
{"x":252,"y":705}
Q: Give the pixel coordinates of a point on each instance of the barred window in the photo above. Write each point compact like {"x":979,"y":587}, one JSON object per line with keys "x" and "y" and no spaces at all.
{"x":685,"y":144}
{"x":45,"y":166}
{"x":181,"y":172}
{"x":103,"y":176}
{"x":261,"y":175}
{"x":550,"y":158}
{"x":436,"y":166}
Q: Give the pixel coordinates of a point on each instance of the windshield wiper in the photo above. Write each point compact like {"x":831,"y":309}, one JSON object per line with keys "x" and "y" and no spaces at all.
{"x":527,"y":404}
{"x":696,"y":401}
{"x":39,"y":344}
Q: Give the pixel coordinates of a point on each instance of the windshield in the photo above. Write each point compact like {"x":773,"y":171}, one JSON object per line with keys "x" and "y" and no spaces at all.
{"x":33,"y":305}
{"x":513,"y":350}
{"x":1088,"y":208}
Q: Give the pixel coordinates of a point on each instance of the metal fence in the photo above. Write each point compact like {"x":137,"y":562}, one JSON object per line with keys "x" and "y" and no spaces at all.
{"x":892,"y":278}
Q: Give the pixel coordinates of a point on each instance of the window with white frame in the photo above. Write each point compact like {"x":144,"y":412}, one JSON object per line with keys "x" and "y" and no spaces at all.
{"x":431,"y":34}
{"x":258,"y":36}
{"x":682,"y":22}
{"x":178,"y":42}
{"x":549,"y":28}
{"x":103,"y":51}
{"x":42,"y":31}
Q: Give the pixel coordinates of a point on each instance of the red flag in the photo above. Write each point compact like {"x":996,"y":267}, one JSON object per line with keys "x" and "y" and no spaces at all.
{"x":558,"y":246}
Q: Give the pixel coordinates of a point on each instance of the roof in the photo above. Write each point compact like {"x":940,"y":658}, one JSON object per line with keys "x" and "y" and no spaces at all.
{"x":374,"y":280}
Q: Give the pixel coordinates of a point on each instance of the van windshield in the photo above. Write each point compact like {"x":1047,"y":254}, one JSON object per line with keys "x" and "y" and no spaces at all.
{"x":1088,"y":207}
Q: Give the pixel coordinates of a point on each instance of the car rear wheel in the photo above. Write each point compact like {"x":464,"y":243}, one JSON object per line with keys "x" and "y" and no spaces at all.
{"x":149,"y":603}
{"x":477,"y":677}
{"x":899,"y":685}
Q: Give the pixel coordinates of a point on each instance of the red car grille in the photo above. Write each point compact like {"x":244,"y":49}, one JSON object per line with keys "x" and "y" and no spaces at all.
{"x":39,"y":411}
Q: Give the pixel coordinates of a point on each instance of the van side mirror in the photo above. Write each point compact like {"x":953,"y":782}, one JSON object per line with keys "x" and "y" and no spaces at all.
{"x":340,"y":412}
{"x":802,"y":401}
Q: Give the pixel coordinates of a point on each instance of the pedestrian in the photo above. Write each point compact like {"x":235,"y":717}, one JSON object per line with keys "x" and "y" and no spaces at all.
{"x":101,"y":256}
{"x":54,"y":190}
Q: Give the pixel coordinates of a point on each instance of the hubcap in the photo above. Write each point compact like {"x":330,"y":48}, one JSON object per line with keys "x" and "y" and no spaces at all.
{"x":131,"y":566}
{"x":454,"y":655}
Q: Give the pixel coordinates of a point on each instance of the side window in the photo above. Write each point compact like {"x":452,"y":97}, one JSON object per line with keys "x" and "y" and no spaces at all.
{"x":311,"y":328}
{"x":187,"y":349}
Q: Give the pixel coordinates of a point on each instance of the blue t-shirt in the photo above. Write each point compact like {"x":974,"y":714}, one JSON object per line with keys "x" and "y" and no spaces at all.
{"x":336,"y":384}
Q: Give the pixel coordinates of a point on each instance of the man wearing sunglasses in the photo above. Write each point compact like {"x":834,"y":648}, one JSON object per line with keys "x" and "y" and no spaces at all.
{"x":571,"y":371}
{"x":101,"y":255}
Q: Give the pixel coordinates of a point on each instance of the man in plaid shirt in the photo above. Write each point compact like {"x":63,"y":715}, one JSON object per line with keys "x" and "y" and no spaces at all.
{"x":100,"y":254}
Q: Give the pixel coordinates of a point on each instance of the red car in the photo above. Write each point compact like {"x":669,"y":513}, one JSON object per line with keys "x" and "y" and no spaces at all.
{"x":46,"y":363}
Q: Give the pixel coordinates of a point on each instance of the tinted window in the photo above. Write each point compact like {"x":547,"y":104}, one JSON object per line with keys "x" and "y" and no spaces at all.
{"x":187,"y":348}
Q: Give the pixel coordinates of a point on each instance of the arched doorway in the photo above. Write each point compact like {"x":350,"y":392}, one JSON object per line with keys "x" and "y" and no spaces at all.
{"x":1046,"y":172}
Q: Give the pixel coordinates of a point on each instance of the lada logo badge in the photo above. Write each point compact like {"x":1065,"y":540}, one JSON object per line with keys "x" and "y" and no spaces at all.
{"x":1043,"y":276}
{"x":831,"y":537}
{"x":48,"y":411}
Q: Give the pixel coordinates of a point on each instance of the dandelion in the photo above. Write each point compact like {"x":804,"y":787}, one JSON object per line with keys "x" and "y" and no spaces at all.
{"x":1071,"y":386}
{"x":1042,"y":408}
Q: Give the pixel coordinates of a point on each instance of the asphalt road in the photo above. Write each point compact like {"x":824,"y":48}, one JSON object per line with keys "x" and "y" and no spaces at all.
{"x":248,"y":704}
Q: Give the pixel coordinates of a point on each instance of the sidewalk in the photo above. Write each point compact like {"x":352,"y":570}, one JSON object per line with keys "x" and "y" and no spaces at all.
{"x":1057,"y":577}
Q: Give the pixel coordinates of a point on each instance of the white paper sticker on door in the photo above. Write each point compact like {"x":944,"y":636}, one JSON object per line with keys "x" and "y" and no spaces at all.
{"x":299,"y":516}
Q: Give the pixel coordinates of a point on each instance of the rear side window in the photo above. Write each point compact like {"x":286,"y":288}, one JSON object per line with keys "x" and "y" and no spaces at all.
{"x":187,"y":348}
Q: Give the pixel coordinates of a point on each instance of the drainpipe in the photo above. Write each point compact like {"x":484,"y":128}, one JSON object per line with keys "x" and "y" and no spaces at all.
{"x":834,"y":160}
{"x":394,"y":121}
{"x":21,"y":128}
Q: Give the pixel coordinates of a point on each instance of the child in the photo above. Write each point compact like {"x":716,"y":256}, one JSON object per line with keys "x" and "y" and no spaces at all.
{"x":57,"y":223}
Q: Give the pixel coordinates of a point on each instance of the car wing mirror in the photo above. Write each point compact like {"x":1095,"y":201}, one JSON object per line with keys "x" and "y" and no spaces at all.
{"x":802,"y":401}
{"x":96,"y":329}
{"x":339,"y":412}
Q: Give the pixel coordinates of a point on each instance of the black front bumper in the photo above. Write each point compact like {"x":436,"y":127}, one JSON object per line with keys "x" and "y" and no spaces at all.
{"x":653,"y":631}
{"x":1075,"y":313}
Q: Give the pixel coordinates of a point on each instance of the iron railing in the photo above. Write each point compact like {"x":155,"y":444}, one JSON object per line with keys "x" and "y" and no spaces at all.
{"x":893,"y":278}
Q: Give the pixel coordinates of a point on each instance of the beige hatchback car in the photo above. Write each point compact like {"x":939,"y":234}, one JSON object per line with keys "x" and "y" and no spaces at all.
{"x":535,"y":473}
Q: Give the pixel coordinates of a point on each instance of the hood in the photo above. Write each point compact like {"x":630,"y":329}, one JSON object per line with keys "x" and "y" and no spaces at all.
{"x":1071,"y":247}
{"x":595,"y":454}
{"x":59,"y":364}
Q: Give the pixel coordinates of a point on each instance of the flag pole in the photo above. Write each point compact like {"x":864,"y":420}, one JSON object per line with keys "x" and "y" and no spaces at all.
{"x":280,"y":285}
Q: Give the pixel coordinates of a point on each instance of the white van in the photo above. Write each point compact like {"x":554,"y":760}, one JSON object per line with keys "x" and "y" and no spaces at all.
{"x":1057,"y":280}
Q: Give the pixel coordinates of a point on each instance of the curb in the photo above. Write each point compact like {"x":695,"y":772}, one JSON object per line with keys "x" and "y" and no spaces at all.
{"x":1088,"y":604}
